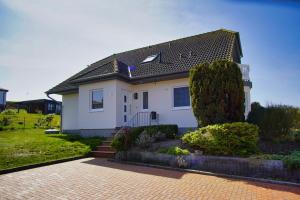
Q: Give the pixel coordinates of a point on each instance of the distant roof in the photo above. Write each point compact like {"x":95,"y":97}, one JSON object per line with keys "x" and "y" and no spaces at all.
{"x":173,"y":57}
{"x":37,"y":100}
{"x":2,"y":89}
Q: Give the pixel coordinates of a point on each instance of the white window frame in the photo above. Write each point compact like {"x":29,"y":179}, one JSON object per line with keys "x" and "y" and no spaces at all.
{"x":142,"y":102}
{"x":181,"y":107}
{"x":90,"y":100}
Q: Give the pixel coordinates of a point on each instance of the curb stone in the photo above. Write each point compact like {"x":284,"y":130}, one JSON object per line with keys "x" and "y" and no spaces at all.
{"x":208,"y":173}
{"x":16,"y":169}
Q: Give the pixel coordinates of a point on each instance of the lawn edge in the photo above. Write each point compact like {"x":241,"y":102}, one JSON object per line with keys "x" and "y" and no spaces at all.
{"x":208,"y":173}
{"x":31,"y":166}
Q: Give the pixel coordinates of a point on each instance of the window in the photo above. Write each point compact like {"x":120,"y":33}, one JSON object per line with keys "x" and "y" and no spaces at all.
{"x":50,"y":106}
{"x":125,"y":108}
{"x":181,"y":97}
{"x":145,"y":100}
{"x":150,"y":58}
{"x":125,"y":98}
{"x":96,"y":99}
{"x":125,"y":118}
{"x":58,"y":108}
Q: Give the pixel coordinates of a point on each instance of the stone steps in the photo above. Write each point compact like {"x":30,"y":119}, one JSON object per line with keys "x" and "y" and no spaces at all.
{"x":104,"y":150}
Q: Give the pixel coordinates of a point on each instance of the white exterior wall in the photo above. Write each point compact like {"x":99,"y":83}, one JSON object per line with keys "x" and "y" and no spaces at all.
{"x":70,"y":112}
{"x":160,"y":100}
{"x":247,"y":100}
{"x":78,"y":115}
{"x":105,"y":119}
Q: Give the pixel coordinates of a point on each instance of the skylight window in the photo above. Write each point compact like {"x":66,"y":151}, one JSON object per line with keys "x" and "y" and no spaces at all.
{"x":150,"y":58}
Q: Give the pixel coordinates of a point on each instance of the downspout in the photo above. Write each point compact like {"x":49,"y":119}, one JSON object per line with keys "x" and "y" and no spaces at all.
{"x":61,"y":111}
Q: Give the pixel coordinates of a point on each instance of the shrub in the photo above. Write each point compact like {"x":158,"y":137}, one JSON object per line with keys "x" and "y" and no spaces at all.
{"x":217,"y":93}
{"x":174,"y":151}
{"x":125,"y":140}
{"x":239,"y":138}
{"x":6,"y":121}
{"x":144,"y":140}
{"x":275,"y":121}
{"x":169,"y":130}
{"x":292,"y":161}
{"x":9,"y":112}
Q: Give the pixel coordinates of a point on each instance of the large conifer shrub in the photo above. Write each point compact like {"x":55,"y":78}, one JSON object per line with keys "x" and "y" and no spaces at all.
{"x":217,"y":93}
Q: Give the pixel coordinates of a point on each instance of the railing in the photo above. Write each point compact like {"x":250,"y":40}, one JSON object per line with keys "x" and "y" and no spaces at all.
{"x":140,"y":119}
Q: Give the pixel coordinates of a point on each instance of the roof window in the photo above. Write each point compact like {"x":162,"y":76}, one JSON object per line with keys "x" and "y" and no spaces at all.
{"x":150,"y":58}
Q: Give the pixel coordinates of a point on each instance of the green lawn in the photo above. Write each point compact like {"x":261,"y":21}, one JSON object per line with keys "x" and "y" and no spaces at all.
{"x":23,"y":120}
{"x":31,"y":146}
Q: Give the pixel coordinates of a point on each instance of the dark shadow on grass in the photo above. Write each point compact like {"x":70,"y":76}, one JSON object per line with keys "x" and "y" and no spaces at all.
{"x":137,"y":169}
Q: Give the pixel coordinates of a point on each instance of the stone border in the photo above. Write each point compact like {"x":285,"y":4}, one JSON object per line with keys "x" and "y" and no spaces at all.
{"x":207,"y":173}
{"x":16,"y":169}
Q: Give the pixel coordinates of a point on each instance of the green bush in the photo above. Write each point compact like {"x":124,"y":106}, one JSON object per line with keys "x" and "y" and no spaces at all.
{"x":174,"y":151}
{"x":129,"y":136}
{"x":275,"y":121}
{"x":239,"y":138}
{"x":292,"y":161}
{"x":9,"y":112}
{"x":217,"y":93}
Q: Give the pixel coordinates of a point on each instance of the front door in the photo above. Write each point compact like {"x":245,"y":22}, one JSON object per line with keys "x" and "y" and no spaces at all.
{"x":126,"y":106}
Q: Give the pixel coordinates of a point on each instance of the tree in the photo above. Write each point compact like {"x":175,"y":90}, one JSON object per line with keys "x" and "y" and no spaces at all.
{"x":217,"y":93}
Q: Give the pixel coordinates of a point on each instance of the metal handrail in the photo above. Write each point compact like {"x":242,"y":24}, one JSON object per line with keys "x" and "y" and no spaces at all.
{"x":137,"y":120}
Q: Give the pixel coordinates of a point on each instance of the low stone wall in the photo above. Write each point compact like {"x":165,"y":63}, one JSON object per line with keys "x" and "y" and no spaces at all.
{"x":257,"y":168}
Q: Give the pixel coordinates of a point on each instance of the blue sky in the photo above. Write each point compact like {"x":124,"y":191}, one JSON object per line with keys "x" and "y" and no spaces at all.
{"x":44,"y":42}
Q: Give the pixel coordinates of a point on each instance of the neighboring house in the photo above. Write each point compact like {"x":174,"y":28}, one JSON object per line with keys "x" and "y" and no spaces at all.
{"x":125,"y":88}
{"x":3,"y":98}
{"x":45,"y":106}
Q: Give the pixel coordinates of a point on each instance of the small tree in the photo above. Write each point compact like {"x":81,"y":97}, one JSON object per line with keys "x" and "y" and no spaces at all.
{"x":217,"y":93}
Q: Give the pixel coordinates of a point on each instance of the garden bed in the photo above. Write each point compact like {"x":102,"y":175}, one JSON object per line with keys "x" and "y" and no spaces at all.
{"x":249,"y":167}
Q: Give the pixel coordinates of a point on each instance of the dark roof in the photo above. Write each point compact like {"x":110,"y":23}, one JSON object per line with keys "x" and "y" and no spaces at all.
{"x":174,"y":57}
{"x":38,"y":101}
{"x":2,"y":89}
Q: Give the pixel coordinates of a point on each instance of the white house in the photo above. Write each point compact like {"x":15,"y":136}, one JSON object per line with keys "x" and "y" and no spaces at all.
{"x":3,"y":98}
{"x":144,"y":86}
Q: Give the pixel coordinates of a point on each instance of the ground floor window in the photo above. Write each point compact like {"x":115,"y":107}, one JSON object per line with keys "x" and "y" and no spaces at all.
{"x":181,"y":97}
{"x":96,"y":98}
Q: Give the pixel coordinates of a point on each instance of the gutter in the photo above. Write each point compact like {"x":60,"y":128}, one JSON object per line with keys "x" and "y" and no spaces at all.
{"x":61,"y":111}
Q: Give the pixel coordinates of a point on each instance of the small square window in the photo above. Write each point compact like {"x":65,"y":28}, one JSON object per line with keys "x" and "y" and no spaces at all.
{"x":181,"y":97}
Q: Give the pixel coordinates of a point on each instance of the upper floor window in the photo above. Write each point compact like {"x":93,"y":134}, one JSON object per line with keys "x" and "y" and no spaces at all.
{"x":96,"y":98}
{"x":181,"y":97}
{"x":150,"y":58}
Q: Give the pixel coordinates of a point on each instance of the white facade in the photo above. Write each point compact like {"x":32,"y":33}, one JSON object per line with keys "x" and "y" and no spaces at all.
{"x":119,"y":105}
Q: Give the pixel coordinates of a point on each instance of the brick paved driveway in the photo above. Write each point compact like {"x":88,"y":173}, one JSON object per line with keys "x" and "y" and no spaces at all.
{"x":99,"y":179}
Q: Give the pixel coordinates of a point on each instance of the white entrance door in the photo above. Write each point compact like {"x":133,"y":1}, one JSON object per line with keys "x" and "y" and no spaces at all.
{"x":126,"y":106}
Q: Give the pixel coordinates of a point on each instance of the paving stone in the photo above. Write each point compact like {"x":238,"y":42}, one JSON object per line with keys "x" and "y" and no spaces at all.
{"x":94,"y":178}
